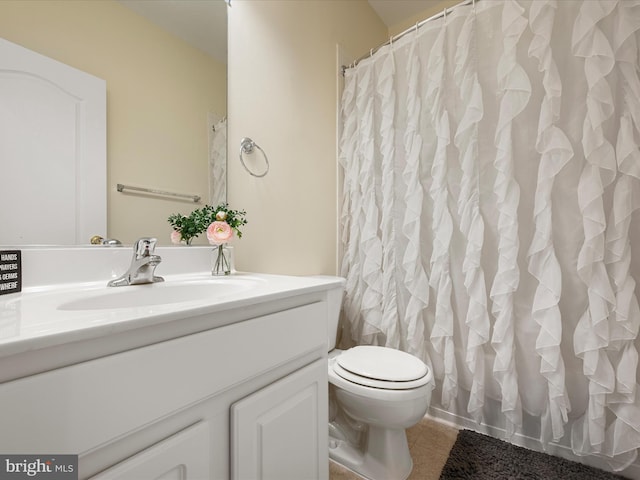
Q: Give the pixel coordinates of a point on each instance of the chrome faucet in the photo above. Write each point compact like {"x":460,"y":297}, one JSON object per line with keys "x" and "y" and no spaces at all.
{"x":143,"y":265}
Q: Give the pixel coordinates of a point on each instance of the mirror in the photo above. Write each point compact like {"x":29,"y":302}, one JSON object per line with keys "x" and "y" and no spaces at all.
{"x":164,"y":63}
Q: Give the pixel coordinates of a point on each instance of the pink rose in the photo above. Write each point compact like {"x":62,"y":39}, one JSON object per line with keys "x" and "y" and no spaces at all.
{"x":219,"y":233}
{"x":176,"y":237}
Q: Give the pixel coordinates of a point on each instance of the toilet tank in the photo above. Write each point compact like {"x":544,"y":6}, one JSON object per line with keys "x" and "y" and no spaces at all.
{"x":334,"y":302}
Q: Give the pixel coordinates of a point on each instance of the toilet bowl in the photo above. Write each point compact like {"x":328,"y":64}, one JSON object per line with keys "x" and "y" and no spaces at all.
{"x":375,"y":393}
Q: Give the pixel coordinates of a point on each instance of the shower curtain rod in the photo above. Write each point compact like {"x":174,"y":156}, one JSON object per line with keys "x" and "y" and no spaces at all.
{"x":398,"y":36}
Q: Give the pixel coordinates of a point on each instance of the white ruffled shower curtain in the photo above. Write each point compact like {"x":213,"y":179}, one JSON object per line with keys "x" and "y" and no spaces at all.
{"x":490,"y":218}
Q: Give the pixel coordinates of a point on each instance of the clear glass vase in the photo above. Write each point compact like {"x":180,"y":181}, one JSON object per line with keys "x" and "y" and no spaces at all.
{"x":222,"y":260}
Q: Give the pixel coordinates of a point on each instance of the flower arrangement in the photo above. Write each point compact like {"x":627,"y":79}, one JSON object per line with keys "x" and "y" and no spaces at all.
{"x":186,"y":228}
{"x":220,"y":231}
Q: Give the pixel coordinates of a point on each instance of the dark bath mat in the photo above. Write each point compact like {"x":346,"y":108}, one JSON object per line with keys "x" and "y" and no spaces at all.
{"x":480,"y":457}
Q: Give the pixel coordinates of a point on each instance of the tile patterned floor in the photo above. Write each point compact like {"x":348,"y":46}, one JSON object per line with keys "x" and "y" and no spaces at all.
{"x":429,"y":443}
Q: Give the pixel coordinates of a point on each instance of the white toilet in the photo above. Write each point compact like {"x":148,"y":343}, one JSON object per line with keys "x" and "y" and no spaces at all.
{"x":375,"y":393}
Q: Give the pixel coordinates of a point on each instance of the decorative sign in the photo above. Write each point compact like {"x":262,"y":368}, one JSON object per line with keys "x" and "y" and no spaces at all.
{"x":10,"y":271}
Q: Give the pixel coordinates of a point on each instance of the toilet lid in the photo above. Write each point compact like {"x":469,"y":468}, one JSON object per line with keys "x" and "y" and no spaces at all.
{"x":380,"y":384}
{"x":382,"y":363}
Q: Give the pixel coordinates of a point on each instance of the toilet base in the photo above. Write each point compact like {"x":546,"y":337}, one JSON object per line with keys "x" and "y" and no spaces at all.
{"x":385,"y":455}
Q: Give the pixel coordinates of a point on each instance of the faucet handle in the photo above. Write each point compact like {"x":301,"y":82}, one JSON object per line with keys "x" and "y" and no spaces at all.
{"x":145,"y":246}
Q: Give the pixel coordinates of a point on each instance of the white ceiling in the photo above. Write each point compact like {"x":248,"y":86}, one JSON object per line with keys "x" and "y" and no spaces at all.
{"x":203,"y":23}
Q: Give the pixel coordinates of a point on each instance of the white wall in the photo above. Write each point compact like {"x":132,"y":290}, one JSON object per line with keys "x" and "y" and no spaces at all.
{"x":283,"y":94}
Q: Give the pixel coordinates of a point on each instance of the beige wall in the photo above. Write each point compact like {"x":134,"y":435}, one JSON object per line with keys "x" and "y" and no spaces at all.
{"x":159,"y":90}
{"x":434,"y":9}
{"x":282,"y":93}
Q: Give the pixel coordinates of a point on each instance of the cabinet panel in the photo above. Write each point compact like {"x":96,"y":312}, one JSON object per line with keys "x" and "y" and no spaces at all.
{"x":77,"y":408}
{"x":280,"y":432}
{"x":183,"y":456}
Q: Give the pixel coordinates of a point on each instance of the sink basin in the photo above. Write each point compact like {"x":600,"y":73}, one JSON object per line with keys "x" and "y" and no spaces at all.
{"x":155,"y":294}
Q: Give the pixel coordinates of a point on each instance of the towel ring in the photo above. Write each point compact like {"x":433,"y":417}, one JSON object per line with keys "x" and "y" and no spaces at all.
{"x":246,"y":146}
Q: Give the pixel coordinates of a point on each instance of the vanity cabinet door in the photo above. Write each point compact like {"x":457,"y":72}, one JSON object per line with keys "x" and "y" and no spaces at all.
{"x":280,"y":431}
{"x":183,"y":456}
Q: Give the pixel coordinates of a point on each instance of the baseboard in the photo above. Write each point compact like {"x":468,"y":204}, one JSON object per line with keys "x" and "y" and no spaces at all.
{"x":632,"y":472}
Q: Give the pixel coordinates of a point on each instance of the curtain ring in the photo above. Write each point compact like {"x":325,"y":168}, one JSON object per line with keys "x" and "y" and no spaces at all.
{"x":246,"y":146}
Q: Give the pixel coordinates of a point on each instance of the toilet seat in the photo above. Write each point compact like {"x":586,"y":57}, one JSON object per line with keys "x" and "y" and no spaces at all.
{"x":381,"y":367}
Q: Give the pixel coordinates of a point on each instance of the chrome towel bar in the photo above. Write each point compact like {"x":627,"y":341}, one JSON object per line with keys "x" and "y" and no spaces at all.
{"x":121,"y":188}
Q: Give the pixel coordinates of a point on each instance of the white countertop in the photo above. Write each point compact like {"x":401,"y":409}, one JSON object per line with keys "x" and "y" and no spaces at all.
{"x":54,"y":318}
{"x":37,"y":317}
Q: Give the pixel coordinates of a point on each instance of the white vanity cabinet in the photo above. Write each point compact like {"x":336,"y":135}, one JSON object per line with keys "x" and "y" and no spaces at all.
{"x":184,"y":455}
{"x":246,"y":400}
{"x":275,"y":432}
